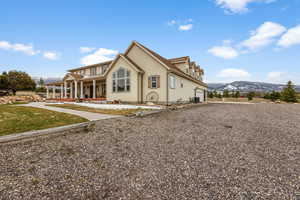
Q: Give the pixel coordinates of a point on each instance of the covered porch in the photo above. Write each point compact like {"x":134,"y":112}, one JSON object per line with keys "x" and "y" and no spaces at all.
{"x":76,"y":87}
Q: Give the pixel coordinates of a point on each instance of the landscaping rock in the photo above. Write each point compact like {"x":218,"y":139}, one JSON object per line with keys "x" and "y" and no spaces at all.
{"x":13,"y":99}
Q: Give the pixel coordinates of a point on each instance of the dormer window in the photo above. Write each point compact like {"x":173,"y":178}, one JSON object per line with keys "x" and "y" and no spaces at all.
{"x":103,"y":69}
{"x":93,"y":71}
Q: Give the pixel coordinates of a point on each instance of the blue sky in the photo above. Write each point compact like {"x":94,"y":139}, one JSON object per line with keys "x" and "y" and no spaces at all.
{"x":255,"y":40}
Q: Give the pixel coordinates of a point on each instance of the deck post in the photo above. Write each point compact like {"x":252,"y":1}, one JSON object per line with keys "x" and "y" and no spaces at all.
{"x":61,"y":91}
{"x":47,"y":92}
{"x":81,"y":89}
{"x":53,"y":92}
{"x":66,"y":95}
{"x":94,"y":89}
{"x":75,"y":95}
{"x":71,"y":90}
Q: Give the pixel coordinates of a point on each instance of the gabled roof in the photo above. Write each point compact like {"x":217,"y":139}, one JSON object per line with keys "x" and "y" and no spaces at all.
{"x":171,"y":67}
{"x":180,"y":59}
{"x":128,"y":60}
{"x":75,"y":76}
{"x":93,"y":65}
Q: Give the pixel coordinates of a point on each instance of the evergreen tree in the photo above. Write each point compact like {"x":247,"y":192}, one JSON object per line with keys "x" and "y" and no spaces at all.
{"x":267,"y":95}
{"x":237,"y":94}
{"x":41,"y":83}
{"x":226,"y":93}
{"x":274,"y":96}
{"x":215,"y":93}
{"x":250,"y":96}
{"x":210,"y":95}
{"x":289,"y":93}
{"x":232,"y":93}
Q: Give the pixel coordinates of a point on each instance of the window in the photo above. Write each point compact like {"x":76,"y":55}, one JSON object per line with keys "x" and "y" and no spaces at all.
{"x":172,"y":81}
{"x":103,"y":69}
{"x":181,"y":83}
{"x":153,"y":82}
{"x":121,"y":80}
{"x":93,"y":71}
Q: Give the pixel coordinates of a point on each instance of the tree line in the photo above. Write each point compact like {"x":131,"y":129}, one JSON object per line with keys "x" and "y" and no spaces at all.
{"x":16,"y":80}
{"x":288,"y":94}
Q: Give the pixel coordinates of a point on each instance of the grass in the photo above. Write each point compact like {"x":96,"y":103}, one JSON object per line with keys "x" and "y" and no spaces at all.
{"x":97,"y":110}
{"x":17,"y":119}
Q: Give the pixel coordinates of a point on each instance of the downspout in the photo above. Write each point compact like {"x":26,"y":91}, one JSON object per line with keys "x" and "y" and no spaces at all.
{"x":168,"y":87}
{"x":142,"y":87}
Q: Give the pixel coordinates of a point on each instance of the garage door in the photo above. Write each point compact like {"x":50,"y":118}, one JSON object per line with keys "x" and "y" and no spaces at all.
{"x":200,"y":94}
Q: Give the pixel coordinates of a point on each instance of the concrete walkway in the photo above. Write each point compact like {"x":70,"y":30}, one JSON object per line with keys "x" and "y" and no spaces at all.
{"x":88,"y":115}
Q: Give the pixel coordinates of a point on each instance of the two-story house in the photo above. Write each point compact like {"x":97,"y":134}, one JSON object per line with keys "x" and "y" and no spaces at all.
{"x":138,"y":75}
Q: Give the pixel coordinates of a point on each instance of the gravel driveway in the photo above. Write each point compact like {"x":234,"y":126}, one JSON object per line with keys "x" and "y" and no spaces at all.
{"x":210,"y":152}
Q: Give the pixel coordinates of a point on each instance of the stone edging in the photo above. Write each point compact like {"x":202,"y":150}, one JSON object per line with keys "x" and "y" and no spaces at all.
{"x":37,"y":133}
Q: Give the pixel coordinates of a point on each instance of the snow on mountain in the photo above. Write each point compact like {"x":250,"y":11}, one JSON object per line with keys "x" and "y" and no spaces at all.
{"x":247,"y":86}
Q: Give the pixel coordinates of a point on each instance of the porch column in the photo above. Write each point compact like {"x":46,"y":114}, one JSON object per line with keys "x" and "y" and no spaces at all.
{"x":81,"y":89}
{"x":53,"y":92}
{"x":66,"y":85}
{"x":94,"y":89}
{"x":47,"y":92}
{"x":61,"y":91}
{"x":71,"y":90}
{"x":76,"y":95}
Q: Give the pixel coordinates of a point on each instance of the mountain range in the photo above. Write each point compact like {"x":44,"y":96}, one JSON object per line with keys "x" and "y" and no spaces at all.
{"x":247,"y":86}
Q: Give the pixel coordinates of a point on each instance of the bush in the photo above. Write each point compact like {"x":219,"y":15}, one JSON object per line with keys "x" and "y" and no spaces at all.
{"x":250,"y":96}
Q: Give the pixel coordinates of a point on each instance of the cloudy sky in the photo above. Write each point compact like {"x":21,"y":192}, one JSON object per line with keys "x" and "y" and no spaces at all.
{"x":255,"y":40}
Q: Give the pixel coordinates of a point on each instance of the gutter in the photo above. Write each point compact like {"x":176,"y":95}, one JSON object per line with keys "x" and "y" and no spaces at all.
{"x":168,"y":87}
{"x":142,"y":87}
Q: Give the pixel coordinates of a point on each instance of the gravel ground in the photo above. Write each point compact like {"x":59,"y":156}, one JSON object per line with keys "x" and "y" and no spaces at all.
{"x":208,"y":152}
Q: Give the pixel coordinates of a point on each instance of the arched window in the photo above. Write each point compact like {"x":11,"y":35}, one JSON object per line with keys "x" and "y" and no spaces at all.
{"x":121,"y":80}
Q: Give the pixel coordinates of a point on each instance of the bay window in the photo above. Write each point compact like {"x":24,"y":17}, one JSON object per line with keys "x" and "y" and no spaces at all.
{"x":121,"y":80}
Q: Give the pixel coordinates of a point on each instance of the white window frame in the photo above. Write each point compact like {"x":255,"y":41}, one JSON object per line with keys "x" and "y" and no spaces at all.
{"x":116,"y":79}
{"x":172,"y":82}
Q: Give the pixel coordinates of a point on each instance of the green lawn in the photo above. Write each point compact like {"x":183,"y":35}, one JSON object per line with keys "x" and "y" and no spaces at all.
{"x":97,"y":110}
{"x":17,"y":119}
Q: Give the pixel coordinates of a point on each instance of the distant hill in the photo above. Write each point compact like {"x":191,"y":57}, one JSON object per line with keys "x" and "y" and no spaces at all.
{"x":47,"y":80}
{"x":247,"y":86}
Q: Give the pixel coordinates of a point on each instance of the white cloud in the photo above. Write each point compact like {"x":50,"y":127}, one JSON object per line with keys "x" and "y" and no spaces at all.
{"x":238,"y":6}
{"x":263,"y":35}
{"x":225,"y":52}
{"x":171,"y":23}
{"x":28,"y":49}
{"x":51,"y":55}
{"x":233,"y":73}
{"x":290,"y":38}
{"x":101,"y":55}
{"x":186,"y":27}
{"x":275,"y":76}
{"x":86,"y":49}
{"x":5,"y":45}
